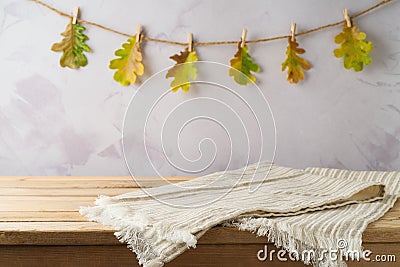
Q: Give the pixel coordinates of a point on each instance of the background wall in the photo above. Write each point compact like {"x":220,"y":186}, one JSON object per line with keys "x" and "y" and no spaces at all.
{"x":56,"y":121}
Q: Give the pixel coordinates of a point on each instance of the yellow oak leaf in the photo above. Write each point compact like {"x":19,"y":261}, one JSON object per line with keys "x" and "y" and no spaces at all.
{"x":72,"y":45}
{"x":353,"y":48}
{"x":129,"y":64}
{"x":183,"y":71}
{"x":294,"y":63}
{"x":241,"y":66}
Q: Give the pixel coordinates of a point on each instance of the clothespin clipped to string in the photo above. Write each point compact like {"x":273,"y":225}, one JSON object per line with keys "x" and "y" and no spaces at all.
{"x":346,"y":17}
{"x":293,"y":32}
{"x":190,"y":42}
{"x":138,"y":34}
{"x":243,"y":40}
{"x":75,"y":15}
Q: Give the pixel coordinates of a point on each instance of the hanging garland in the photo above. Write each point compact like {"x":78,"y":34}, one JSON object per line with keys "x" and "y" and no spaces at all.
{"x":353,"y":47}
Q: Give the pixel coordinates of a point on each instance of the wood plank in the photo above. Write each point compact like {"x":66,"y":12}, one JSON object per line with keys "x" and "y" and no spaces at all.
{"x":81,"y":233}
{"x":91,"y":233}
{"x":74,"y":182}
{"x":64,"y":191}
{"x":91,"y":178}
{"x":26,"y":203}
{"x":41,"y":216}
{"x":44,"y":227}
{"x":246,"y":255}
{"x":59,"y":210}
{"x":391,"y":215}
{"x":71,"y":184}
{"x":202,"y":256}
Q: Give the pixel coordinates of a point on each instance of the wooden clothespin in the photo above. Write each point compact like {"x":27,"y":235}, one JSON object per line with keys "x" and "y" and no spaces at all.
{"x":293,"y":31}
{"x":138,"y":35}
{"x":75,"y":15}
{"x":190,"y":42}
{"x":243,"y":40}
{"x":346,"y":17}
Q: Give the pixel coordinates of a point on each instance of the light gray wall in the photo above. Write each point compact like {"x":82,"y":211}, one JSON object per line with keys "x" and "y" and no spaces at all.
{"x":56,"y":121}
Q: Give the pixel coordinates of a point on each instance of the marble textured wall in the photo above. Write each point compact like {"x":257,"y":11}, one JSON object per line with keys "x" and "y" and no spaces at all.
{"x":56,"y":121}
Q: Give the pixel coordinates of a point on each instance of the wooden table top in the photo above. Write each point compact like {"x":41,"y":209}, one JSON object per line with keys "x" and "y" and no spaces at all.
{"x":44,"y":211}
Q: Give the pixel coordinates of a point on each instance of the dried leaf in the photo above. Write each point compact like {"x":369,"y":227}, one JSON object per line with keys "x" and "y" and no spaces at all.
{"x":241,"y":66}
{"x":294,"y":63}
{"x":72,"y":45}
{"x":129,"y":64}
{"x":353,"y":48}
{"x":183,"y":71}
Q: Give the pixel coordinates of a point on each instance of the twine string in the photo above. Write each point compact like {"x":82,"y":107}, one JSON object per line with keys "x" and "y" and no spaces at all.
{"x":150,"y":39}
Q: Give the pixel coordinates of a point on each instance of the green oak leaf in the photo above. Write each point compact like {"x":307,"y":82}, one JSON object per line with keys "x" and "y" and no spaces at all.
{"x":72,"y":45}
{"x":241,"y":66}
{"x":353,"y":48}
{"x":183,"y":71}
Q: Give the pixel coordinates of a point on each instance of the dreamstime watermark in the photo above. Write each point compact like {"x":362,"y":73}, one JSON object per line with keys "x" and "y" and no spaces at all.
{"x":217,"y":126}
{"x":331,"y":254}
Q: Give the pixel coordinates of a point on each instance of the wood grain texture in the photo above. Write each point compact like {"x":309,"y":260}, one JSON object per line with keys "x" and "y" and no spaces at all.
{"x":120,"y":256}
{"x":39,"y":222}
{"x":91,"y":178}
{"x":83,"y":233}
{"x":40,"y":216}
{"x":76,"y":182}
{"x":79,"y":192}
{"x":90,"y":233}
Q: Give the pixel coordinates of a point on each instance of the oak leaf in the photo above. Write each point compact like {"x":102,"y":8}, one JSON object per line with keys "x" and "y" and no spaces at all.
{"x":72,"y":45}
{"x":294,"y":63}
{"x":183,"y":71}
{"x":242,"y":65}
{"x":353,"y":48}
{"x":129,"y":62}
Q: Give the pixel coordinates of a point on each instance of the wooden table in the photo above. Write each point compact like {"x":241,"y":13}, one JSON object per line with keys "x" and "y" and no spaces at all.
{"x":40,"y":226}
